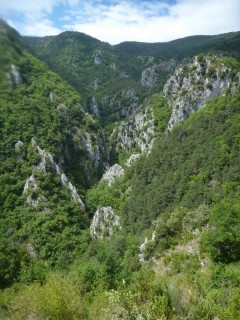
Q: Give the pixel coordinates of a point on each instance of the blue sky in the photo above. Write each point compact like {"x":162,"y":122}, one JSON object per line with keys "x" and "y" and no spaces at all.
{"x":115,"y":21}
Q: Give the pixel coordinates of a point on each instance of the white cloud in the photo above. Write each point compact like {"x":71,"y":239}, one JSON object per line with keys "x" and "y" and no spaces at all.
{"x":40,"y":28}
{"x":117,"y":21}
{"x":28,"y":6}
{"x":128,"y":21}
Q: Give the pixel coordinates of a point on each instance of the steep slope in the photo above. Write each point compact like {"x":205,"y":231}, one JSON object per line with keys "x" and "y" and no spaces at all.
{"x":51,"y":150}
{"x":105,"y":73}
{"x":91,"y":66}
{"x":192,"y":165}
{"x":192,"y":84}
{"x":158,"y":236}
{"x":187,"y":192}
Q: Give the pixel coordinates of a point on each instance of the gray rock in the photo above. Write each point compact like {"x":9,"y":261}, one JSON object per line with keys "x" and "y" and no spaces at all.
{"x":149,"y":77}
{"x":31,"y":183}
{"x":192,"y":84}
{"x":132,"y":158}
{"x":137,"y":132}
{"x":18,"y":144}
{"x":114,"y":172}
{"x":14,"y":76}
{"x":97,"y":57}
{"x":94,"y":107}
{"x":105,"y":223}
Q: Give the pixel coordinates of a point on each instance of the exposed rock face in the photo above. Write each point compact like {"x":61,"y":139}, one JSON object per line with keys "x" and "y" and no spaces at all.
{"x":18,"y":144}
{"x":112,"y":173}
{"x":142,"y":255}
{"x":14,"y":76}
{"x":33,"y":198}
{"x":94,"y":107}
{"x":123,"y":75}
{"x":104,"y":223}
{"x":136,"y":134}
{"x":132,"y":158}
{"x":149,"y":77}
{"x":31,"y":189}
{"x":97,"y":57}
{"x":188,"y":89}
{"x":92,"y":150}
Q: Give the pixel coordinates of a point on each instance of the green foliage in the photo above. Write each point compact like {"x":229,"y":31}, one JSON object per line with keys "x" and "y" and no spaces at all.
{"x":103,"y":195}
{"x":233,"y":64}
{"x":222,"y":239}
{"x":88,"y":275}
{"x":187,"y":167}
{"x":147,"y":298}
{"x":161,"y":112}
{"x":43,"y":107}
{"x":186,"y":190}
{"x":73,"y":56}
{"x":56,"y":299}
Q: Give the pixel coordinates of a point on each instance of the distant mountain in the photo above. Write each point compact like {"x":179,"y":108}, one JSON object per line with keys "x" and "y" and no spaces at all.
{"x":185,"y":47}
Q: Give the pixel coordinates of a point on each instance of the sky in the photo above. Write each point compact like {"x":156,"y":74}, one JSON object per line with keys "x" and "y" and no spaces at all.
{"x":115,"y":21}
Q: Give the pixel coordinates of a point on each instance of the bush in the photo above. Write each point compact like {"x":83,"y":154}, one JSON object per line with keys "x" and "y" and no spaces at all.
{"x":58,"y":299}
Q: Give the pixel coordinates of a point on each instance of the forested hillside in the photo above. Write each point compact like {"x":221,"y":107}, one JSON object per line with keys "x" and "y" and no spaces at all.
{"x":119,"y":178}
{"x":104,"y":74}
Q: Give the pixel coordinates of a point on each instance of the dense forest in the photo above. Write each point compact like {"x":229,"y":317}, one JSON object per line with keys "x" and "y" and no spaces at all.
{"x":106,"y":211}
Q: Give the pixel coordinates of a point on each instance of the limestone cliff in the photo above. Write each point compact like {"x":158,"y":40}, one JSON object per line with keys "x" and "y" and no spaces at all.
{"x":136,"y":134}
{"x":105,"y":223}
{"x":193,"y":83}
{"x":31,"y":189}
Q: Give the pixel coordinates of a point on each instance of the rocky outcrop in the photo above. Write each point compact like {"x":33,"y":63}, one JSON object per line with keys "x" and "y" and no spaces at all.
{"x":192,"y":84}
{"x":18,"y":144}
{"x":113,"y":66}
{"x":150,"y":75}
{"x":94,"y":107}
{"x":136,"y":134}
{"x":97,"y":57}
{"x":132,"y":158}
{"x":14,"y":76}
{"x":31,"y":188}
{"x":105,"y":223}
{"x":92,"y":150}
{"x":19,"y":149}
{"x":114,"y":172}
{"x":143,"y":256}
